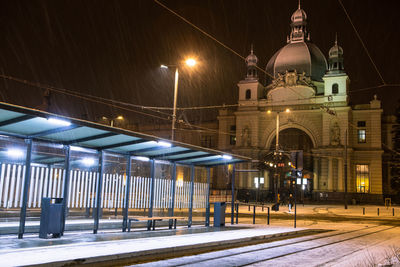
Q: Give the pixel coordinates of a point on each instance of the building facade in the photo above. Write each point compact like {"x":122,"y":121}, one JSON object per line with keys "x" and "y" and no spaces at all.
{"x":306,"y":99}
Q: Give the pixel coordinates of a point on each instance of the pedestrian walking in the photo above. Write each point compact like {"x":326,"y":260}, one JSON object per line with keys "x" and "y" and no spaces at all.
{"x":290,"y":202}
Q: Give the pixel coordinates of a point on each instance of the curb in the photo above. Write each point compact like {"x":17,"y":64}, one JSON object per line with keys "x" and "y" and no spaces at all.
{"x":170,"y":252}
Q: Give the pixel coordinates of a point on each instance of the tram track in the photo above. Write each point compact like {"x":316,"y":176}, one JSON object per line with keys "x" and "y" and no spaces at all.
{"x":260,"y":251}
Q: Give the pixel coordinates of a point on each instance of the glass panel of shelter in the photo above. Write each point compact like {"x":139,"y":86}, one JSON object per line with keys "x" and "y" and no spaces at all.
{"x":113,"y":188}
{"x":200,"y":193}
{"x":12,"y":177}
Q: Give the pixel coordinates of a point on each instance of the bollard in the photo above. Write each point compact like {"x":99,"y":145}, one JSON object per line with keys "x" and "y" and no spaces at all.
{"x":393,"y":211}
{"x":249,"y":207}
{"x":268,"y":216}
{"x":254,"y":214}
{"x":363,"y":211}
{"x":237,"y":213}
{"x":378,"y":211}
{"x":262,"y":207}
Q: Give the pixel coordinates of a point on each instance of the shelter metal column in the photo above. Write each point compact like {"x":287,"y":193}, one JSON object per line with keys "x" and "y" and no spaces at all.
{"x":127,"y":193}
{"x":22,"y":215}
{"x":172,"y":204}
{"x":233,"y":195}
{"x":208,"y":198}
{"x":151,"y":200}
{"x":191,"y":195}
{"x":66,"y":185}
{"x":98,"y":193}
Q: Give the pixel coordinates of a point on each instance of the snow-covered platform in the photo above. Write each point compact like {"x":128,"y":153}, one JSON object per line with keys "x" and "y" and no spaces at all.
{"x":117,"y":247}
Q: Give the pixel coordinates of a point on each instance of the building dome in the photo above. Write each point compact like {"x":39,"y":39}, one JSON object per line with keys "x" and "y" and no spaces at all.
{"x":300,"y":56}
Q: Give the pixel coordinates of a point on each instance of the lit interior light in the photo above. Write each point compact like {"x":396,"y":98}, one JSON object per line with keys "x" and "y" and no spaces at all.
{"x":164,"y":66}
{"x":228,"y":157}
{"x":88,"y":161}
{"x":58,"y":122}
{"x":287,"y":110}
{"x":269,"y":111}
{"x":120,"y":117}
{"x":142,"y":158}
{"x":15,"y":153}
{"x":289,"y":163}
{"x":164,"y":144}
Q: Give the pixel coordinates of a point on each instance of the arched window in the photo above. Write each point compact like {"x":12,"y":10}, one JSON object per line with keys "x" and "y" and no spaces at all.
{"x":335,"y":88}
{"x":248,"y":94}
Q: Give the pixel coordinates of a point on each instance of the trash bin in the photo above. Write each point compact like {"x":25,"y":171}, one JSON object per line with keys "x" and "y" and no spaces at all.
{"x":219,"y":214}
{"x":51,"y":219}
{"x":275,"y":207}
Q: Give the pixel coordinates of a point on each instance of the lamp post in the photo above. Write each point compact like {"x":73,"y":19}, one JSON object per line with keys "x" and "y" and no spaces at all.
{"x":189,"y":62}
{"x":277,"y":153}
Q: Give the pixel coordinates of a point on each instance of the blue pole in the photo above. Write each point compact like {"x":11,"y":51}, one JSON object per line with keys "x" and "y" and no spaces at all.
{"x":208,"y":198}
{"x":66,"y":185}
{"x":98,"y":193}
{"x":22,"y":215}
{"x":233,"y":195}
{"x":152,"y":162}
{"x":127,"y":193}
{"x":172,"y":206}
{"x":191,"y":195}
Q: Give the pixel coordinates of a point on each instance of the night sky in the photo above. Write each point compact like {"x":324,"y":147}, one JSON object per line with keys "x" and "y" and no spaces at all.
{"x":113,"y":50}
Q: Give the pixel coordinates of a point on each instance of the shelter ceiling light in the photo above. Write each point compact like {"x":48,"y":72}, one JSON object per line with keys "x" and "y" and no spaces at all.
{"x":164,"y":144}
{"x":58,"y":122}
{"x":228,"y":157}
{"x":140,"y":158}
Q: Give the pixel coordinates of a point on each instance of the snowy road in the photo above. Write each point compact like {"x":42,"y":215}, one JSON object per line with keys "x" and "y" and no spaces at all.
{"x":359,"y":245}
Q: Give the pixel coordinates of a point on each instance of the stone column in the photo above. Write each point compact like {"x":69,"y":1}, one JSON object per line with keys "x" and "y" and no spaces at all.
{"x":340,"y":176}
{"x":330,"y":174}
{"x":316,"y":178}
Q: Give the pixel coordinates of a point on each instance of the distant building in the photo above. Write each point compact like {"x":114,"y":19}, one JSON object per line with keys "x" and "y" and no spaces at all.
{"x":314,"y":91}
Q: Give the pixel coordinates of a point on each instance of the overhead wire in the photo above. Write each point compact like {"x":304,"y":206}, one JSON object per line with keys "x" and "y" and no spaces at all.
{"x":362,"y":42}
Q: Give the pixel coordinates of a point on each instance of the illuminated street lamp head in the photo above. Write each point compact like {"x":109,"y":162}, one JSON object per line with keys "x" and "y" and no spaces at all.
{"x":190,"y":62}
{"x":269,"y":111}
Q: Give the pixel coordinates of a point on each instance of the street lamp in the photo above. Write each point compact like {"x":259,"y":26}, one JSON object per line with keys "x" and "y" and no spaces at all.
{"x":277,"y":152}
{"x":191,"y":62}
{"x":120,"y":118}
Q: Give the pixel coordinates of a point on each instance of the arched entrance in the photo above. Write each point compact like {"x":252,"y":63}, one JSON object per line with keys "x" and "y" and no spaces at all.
{"x":291,"y":140}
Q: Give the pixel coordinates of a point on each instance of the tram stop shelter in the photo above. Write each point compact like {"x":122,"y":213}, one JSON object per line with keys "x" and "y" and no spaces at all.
{"x":98,"y":170}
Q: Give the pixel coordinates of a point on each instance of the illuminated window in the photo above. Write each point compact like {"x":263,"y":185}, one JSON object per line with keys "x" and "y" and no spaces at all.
{"x":248,"y":94}
{"x":362,"y":136}
{"x":362,"y":178}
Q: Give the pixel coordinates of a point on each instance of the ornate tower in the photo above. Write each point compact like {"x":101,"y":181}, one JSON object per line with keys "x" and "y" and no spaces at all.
{"x":336,"y":79}
{"x":299,"y":31}
{"x":250,"y":90}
